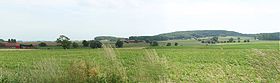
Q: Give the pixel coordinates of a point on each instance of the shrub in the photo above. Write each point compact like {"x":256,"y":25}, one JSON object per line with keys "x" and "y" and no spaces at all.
{"x":95,"y":44}
{"x":168,"y":44}
{"x":85,"y":43}
{"x":75,"y":45}
{"x":176,"y":44}
{"x":154,"y":43}
{"x":119,"y":44}
{"x":231,"y":40}
{"x":42,"y":44}
{"x":202,"y":41}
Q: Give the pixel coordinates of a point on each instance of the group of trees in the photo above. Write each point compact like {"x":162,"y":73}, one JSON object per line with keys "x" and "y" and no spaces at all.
{"x":268,"y":36}
{"x":148,"y":38}
{"x":214,"y":40}
{"x":12,"y":40}
{"x":42,"y":44}
{"x":169,"y":44}
{"x":66,"y":43}
{"x":2,"y":40}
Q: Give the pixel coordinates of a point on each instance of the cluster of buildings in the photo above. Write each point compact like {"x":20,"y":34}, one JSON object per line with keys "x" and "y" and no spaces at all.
{"x":15,"y":45}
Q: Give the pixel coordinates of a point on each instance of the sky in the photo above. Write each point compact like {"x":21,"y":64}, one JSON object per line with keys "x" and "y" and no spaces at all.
{"x":85,"y":19}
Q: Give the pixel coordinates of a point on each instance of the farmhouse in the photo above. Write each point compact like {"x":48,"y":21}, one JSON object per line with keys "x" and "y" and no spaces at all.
{"x":10,"y":45}
{"x":15,"y":45}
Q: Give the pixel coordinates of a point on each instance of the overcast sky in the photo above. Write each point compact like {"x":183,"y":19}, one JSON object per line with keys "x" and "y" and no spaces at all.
{"x":85,"y":19}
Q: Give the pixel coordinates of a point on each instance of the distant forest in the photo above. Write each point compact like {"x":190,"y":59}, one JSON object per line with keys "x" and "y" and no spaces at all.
{"x":204,"y":33}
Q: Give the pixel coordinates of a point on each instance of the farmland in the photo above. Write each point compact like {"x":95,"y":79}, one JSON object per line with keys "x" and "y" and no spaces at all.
{"x":258,"y":61}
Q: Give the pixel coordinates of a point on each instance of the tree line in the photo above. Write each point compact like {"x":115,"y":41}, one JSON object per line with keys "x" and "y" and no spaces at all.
{"x":214,"y":40}
{"x":66,"y":43}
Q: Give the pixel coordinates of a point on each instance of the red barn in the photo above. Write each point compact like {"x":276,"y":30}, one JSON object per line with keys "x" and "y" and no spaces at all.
{"x":10,"y":45}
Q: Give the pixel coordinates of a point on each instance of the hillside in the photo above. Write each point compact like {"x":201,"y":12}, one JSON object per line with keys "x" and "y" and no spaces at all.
{"x":188,"y":35}
{"x":199,"y":33}
{"x":205,"y":33}
{"x":110,"y":38}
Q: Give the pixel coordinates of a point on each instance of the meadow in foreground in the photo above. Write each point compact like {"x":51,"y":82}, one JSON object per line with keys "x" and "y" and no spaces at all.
{"x":256,"y":62}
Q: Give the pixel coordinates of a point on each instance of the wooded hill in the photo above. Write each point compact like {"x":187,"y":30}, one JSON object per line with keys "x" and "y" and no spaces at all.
{"x":204,"y":33}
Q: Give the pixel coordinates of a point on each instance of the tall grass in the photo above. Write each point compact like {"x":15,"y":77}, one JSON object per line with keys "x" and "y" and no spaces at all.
{"x":152,"y":68}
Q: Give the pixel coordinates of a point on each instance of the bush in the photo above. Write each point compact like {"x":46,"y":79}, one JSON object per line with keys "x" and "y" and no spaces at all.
{"x":75,"y":45}
{"x":154,"y":43}
{"x":95,"y":44}
{"x":168,"y":44}
{"x":119,"y":44}
{"x":85,"y":43}
{"x":42,"y":44}
{"x":176,"y":44}
{"x":231,"y":40}
{"x":202,"y":41}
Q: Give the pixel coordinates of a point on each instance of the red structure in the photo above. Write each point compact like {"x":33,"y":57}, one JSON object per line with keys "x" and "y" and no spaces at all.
{"x":10,"y":45}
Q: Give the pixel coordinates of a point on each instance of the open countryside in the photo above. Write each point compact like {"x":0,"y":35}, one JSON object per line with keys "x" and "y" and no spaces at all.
{"x":214,"y":58}
{"x":139,"y":41}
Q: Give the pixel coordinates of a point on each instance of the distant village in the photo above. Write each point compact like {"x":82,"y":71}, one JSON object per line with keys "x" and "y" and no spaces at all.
{"x":12,"y":43}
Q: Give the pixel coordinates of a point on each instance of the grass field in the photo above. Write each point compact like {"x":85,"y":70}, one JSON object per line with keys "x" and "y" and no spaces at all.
{"x":258,"y":61}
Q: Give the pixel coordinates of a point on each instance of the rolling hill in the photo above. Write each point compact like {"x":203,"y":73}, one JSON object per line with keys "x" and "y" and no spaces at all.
{"x":204,"y":33}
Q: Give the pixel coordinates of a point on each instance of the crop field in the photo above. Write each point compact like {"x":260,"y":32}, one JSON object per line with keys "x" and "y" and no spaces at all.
{"x":191,"y":62}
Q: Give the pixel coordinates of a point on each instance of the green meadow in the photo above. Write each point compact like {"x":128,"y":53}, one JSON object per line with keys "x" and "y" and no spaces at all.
{"x":257,"y":61}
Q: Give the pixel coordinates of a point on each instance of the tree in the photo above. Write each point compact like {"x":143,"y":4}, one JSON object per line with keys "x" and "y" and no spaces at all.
{"x":202,"y":41}
{"x":95,"y":44}
{"x":12,"y":40}
{"x":1,"y":40}
{"x":64,"y":41}
{"x":215,"y":39}
{"x":154,"y":43}
{"x":42,"y":44}
{"x":9,"y":40}
{"x":238,"y":39}
{"x":168,"y":44}
{"x":176,"y":44}
{"x":75,"y":45}
{"x":85,"y":43}
{"x":231,"y":40}
{"x":119,"y":44}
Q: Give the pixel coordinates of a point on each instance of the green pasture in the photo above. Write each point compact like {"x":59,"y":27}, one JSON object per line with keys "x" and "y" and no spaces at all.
{"x":191,"y":62}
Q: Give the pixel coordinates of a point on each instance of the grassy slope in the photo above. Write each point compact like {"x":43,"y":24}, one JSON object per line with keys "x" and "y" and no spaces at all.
{"x":254,"y":62}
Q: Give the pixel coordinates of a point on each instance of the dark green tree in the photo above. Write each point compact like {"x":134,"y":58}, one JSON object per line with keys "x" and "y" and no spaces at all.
{"x":168,"y":44}
{"x":119,"y":44}
{"x":95,"y":44}
{"x":2,"y":40}
{"x":9,"y":40}
{"x":85,"y":43}
{"x":215,"y":39}
{"x":154,"y":43}
{"x":75,"y":45}
{"x":64,"y":41}
{"x":231,"y":40}
{"x":176,"y":44}
{"x":42,"y":44}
